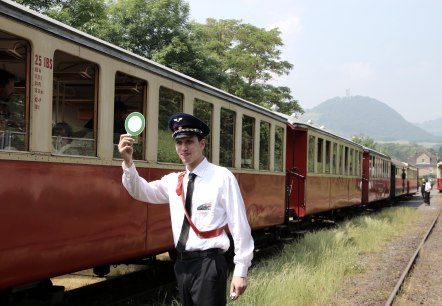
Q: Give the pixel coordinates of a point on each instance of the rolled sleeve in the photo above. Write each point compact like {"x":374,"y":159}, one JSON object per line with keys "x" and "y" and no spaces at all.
{"x":154,"y":192}
{"x":239,"y":228}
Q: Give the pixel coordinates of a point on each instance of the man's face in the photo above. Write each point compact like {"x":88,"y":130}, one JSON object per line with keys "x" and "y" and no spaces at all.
{"x":190,"y":150}
{"x":7,"y":90}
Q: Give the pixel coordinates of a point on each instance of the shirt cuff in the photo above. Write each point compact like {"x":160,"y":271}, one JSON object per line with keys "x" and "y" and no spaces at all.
{"x":123,"y":165}
{"x":240,"y":270}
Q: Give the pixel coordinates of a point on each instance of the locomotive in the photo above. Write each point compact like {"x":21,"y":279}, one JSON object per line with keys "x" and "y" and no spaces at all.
{"x":66,"y":210}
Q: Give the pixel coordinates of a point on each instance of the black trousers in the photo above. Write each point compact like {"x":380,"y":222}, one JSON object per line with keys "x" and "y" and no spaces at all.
{"x":202,"y":281}
{"x":427,"y":197}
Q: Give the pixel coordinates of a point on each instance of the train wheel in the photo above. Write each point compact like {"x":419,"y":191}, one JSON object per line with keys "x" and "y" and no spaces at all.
{"x":102,"y":271}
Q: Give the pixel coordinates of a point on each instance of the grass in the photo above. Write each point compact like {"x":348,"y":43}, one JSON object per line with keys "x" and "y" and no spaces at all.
{"x":311,"y":270}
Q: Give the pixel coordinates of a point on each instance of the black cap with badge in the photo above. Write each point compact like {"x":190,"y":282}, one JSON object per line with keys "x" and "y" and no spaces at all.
{"x":185,"y":125}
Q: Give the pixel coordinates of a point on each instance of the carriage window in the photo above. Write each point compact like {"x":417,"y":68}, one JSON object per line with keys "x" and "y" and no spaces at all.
{"x":14,"y":92}
{"x":327,"y":156}
{"x":341,"y":159}
{"x":227,"y":138}
{"x":204,"y":111}
{"x":279,"y":136}
{"x":248,"y":125}
{"x":171,"y":102}
{"x":311,"y":154}
{"x":351,"y":162}
{"x":319,"y":155}
{"x":376,"y":167}
{"x":130,"y":93}
{"x":346,"y":161}
{"x":74,"y":110}
{"x":335,"y":161}
{"x":264,"y":146}
{"x":384,"y":168}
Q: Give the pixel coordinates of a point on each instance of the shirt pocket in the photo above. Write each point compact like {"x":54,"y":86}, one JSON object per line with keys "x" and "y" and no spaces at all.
{"x":204,"y":215}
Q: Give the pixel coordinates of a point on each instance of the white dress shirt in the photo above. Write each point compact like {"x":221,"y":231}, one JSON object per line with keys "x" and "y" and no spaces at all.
{"x":217,"y":201}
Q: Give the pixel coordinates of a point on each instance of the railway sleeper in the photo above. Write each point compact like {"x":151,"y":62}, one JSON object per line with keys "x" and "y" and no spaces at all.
{"x":41,"y":293}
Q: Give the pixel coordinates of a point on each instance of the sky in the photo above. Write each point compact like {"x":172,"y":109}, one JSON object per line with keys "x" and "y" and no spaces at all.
{"x":389,"y":50}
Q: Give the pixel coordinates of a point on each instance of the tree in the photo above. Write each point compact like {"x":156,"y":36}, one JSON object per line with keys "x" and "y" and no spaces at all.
{"x":145,"y":27}
{"x":89,"y":16}
{"x":191,"y":59}
{"x":249,"y":58}
{"x":365,"y":141}
{"x":41,"y":6}
{"x":439,"y":154}
{"x":246,"y":51}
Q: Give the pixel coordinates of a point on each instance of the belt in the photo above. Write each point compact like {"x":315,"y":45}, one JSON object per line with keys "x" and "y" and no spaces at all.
{"x":198,"y":254}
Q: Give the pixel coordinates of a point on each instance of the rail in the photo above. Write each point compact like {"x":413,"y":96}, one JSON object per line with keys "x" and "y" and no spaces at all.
{"x":411,"y":263}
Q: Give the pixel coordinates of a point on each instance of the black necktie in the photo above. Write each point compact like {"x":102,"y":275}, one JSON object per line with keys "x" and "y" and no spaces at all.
{"x":184,"y":235}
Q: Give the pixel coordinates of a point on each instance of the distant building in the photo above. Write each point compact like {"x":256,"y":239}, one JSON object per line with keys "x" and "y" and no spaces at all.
{"x":425,"y":162}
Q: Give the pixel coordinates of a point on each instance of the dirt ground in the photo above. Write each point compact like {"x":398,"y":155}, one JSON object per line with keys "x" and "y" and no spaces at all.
{"x":383,"y":269}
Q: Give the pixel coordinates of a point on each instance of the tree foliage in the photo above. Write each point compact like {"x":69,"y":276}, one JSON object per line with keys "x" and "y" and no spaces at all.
{"x":402,"y":151}
{"x":144,"y":27}
{"x":365,"y":141}
{"x":249,"y":58}
{"x":234,"y":56}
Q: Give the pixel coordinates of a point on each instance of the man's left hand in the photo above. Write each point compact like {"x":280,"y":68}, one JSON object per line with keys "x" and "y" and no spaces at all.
{"x":237,"y":287}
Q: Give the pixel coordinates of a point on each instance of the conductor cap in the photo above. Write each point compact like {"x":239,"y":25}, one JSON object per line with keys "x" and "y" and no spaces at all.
{"x":186,"y":125}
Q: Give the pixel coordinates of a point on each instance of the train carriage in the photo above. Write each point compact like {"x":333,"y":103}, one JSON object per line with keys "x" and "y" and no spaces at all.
{"x":404,"y":179}
{"x":412,"y":178}
{"x":376,"y":182}
{"x":66,"y":210}
{"x":325,"y":170}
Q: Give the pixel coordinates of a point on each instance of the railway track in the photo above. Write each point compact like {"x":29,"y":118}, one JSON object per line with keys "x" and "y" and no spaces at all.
{"x":145,"y":287}
{"x":410,"y":268}
{"x":155,"y":285}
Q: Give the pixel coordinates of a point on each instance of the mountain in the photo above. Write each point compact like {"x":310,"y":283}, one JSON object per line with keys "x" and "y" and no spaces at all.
{"x":433,"y":126}
{"x":357,"y":115}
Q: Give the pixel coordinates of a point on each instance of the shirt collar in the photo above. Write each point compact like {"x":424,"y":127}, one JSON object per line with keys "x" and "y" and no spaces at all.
{"x":200,"y":169}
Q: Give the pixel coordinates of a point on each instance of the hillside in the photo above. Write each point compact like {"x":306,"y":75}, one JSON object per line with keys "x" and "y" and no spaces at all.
{"x":433,"y":126}
{"x":356,"y":115}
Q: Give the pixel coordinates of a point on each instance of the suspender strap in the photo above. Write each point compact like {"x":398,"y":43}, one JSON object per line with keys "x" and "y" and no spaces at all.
{"x":201,"y":234}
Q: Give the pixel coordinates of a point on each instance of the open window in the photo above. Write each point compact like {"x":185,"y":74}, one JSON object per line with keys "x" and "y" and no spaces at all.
{"x":74,"y":112}
{"x":130,"y":96}
{"x":14,"y":92}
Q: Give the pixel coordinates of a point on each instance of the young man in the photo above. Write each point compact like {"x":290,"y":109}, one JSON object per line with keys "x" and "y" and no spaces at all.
{"x":427,"y":191}
{"x":215,"y":200}
{"x":423,"y":190}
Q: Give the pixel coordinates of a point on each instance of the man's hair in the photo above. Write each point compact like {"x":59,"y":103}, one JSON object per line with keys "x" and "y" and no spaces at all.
{"x":6,"y":77}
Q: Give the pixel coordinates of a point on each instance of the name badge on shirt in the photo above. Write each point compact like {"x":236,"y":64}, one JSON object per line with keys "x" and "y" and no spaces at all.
{"x":206,"y":206}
